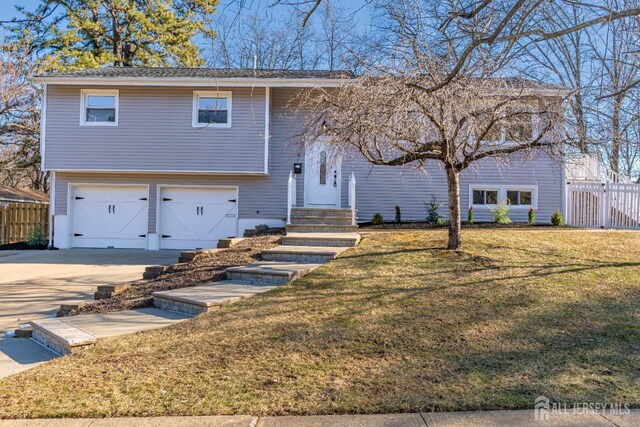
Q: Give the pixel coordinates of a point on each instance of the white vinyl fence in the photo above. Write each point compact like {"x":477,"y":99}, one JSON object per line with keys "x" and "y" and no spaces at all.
{"x":603,"y":205}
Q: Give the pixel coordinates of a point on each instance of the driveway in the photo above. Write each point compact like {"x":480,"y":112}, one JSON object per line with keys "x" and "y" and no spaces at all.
{"x":33,"y":284}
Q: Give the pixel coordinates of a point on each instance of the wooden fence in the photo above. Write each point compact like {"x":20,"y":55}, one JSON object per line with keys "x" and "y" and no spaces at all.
{"x":18,"y":221}
{"x":607,"y":205}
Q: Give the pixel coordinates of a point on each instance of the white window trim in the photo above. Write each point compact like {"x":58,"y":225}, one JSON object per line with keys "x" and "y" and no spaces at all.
{"x":85,"y":93}
{"x":502,"y":195}
{"x":197,"y":94}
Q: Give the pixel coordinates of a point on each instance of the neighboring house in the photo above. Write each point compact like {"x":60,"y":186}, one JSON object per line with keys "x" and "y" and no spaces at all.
{"x":160,"y":158}
{"x":22,"y":195}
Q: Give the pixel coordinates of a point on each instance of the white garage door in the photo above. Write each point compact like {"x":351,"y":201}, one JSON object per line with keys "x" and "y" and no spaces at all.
{"x":105,"y":217}
{"x":196,"y":217}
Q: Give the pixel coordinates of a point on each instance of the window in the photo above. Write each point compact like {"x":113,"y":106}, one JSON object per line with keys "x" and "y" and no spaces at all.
{"x":514,"y":125}
{"x":212,"y":109}
{"x":517,"y":197}
{"x":323,"y":168}
{"x":519,"y":126}
{"x":99,"y":108}
{"x":485,"y":197}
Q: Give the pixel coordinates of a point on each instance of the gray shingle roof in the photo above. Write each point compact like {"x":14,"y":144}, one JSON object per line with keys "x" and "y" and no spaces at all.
{"x":11,"y":194}
{"x":209,"y":73}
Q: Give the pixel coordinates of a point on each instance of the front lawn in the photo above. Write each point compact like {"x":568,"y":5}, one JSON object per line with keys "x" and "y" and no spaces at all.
{"x":394,"y":325}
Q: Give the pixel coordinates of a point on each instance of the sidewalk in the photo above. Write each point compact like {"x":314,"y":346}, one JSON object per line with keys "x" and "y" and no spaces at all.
{"x":524,"y":418}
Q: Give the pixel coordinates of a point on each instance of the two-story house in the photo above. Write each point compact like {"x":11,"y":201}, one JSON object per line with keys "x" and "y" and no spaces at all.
{"x":160,"y":158}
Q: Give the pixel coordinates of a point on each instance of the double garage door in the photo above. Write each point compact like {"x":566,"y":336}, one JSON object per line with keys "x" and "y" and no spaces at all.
{"x":117,"y":216}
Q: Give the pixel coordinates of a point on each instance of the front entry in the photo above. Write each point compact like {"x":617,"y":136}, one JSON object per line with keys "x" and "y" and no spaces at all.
{"x":322,"y":176}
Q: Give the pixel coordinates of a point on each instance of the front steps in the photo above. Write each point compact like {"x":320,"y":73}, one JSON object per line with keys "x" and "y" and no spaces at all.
{"x":302,"y":254}
{"x":272,"y":273}
{"x":200,"y":299}
{"x":344,"y":240}
{"x":319,"y":236}
{"x":319,"y":220}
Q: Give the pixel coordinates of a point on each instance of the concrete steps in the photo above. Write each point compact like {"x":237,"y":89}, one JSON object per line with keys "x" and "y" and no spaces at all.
{"x":320,"y":228}
{"x":200,"y":299}
{"x":302,"y":254}
{"x":60,"y":337}
{"x":320,"y":212}
{"x":269,"y":273}
{"x":346,"y":240}
{"x":326,"y":220}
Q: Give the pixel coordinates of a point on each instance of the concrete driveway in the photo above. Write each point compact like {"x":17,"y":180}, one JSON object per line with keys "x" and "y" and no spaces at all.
{"x":33,"y":284}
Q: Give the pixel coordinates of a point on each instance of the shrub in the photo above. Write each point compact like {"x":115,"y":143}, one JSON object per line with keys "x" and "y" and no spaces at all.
{"x":470,"y":216}
{"x":377,"y":219}
{"x":500,"y":213}
{"x":433,"y":217}
{"x":36,"y":237}
{"x":556,"y":218}
{"x":532,"y":216}
{"x":398,"y":215}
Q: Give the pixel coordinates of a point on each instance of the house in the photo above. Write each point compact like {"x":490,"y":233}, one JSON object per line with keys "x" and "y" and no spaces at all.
{"x":165,"y":158}
{"x":22,"y":195}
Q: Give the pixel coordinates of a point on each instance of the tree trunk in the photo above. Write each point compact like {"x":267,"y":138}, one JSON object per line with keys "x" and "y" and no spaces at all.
{"x":453,"y":183}
{"x":615,"y":148}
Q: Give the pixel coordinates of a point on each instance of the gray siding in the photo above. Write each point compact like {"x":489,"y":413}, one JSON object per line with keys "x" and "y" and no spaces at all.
{"x":155,"y":133}
{"x":379,"y":189}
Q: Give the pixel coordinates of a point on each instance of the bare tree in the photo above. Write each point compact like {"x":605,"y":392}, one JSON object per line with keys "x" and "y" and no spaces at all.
{"x":392,"y":121}
{"x":19,"y":121}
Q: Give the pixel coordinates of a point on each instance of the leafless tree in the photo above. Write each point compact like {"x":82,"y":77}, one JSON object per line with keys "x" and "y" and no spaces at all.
{"x":19,"y":121}
{"x":392,"y":121}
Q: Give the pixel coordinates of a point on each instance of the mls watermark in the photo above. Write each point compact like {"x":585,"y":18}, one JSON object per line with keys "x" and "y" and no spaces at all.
{"x":544,"y":409}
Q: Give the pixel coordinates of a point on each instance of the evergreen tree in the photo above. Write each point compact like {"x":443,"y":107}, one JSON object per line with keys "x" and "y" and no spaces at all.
{"x":77,"y":34}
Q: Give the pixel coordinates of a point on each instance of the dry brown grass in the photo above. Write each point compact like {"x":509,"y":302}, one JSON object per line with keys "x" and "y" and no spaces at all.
{"x":394,"y":325}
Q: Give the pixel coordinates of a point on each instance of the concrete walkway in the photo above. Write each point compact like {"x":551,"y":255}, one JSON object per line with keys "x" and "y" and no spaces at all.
{"x":33,"y":284}
{"x":524,"y":418}
{"x":20,"y":354}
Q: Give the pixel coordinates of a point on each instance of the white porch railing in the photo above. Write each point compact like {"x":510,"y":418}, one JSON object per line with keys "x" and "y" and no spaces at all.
{"x":352,"y":197}
{"x":291,"y":194}
{"x":589,"y":167}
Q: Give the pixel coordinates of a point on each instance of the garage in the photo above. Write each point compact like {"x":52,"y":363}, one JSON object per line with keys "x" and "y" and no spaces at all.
{"x":109,"y":216}
{"x":196,"y":217}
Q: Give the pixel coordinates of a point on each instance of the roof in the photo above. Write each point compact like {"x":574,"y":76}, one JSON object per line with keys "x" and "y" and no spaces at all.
{"x":10,"y":194}
{"x":206,"y":73}
{"x":181,"y":76}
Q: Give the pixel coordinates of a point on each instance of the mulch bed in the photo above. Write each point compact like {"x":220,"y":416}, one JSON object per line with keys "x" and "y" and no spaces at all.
{"x":21,"y":246}
{"x":205,"y":268}
{"x":424,"y":225}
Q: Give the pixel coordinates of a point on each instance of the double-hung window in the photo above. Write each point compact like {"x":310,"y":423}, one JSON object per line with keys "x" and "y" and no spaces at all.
{"x":211,"y":108}
{"x":99,"y":107}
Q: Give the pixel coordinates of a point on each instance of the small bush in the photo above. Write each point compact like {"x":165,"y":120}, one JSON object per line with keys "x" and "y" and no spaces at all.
{"x":36,"y":237}
{"x":377,"y":219}
{"x":398,"y":215}
{"x":556,"y":218}
{"x":532,"y":216}
{"x":500,"y":213}
{"x":470,"y":216}
{"x":433,"y":217}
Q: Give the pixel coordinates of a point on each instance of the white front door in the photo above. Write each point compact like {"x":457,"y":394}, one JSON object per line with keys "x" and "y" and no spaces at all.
{"x":196,"y":217}
{"x":322,"y":176}
{"x":105,"y":216}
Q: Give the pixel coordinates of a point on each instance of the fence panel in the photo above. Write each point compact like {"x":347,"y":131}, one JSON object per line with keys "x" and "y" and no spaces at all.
{"x":610,"y":205}
{"x":19,"y":220}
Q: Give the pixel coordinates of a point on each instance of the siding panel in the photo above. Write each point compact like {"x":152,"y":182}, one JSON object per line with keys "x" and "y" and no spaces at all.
{"x":154,"y":133}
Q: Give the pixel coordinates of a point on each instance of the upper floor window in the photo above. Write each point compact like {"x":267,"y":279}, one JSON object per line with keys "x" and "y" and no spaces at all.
{"x":512,"y":125}
{"x":212,"y":108}
{"x":99,"y":108}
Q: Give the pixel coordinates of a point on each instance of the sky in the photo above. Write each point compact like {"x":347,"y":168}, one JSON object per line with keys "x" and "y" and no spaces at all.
{"x":227,"y":7}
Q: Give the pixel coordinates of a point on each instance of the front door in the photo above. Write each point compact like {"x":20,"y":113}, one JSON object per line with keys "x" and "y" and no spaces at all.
{"x":322,"y":176}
